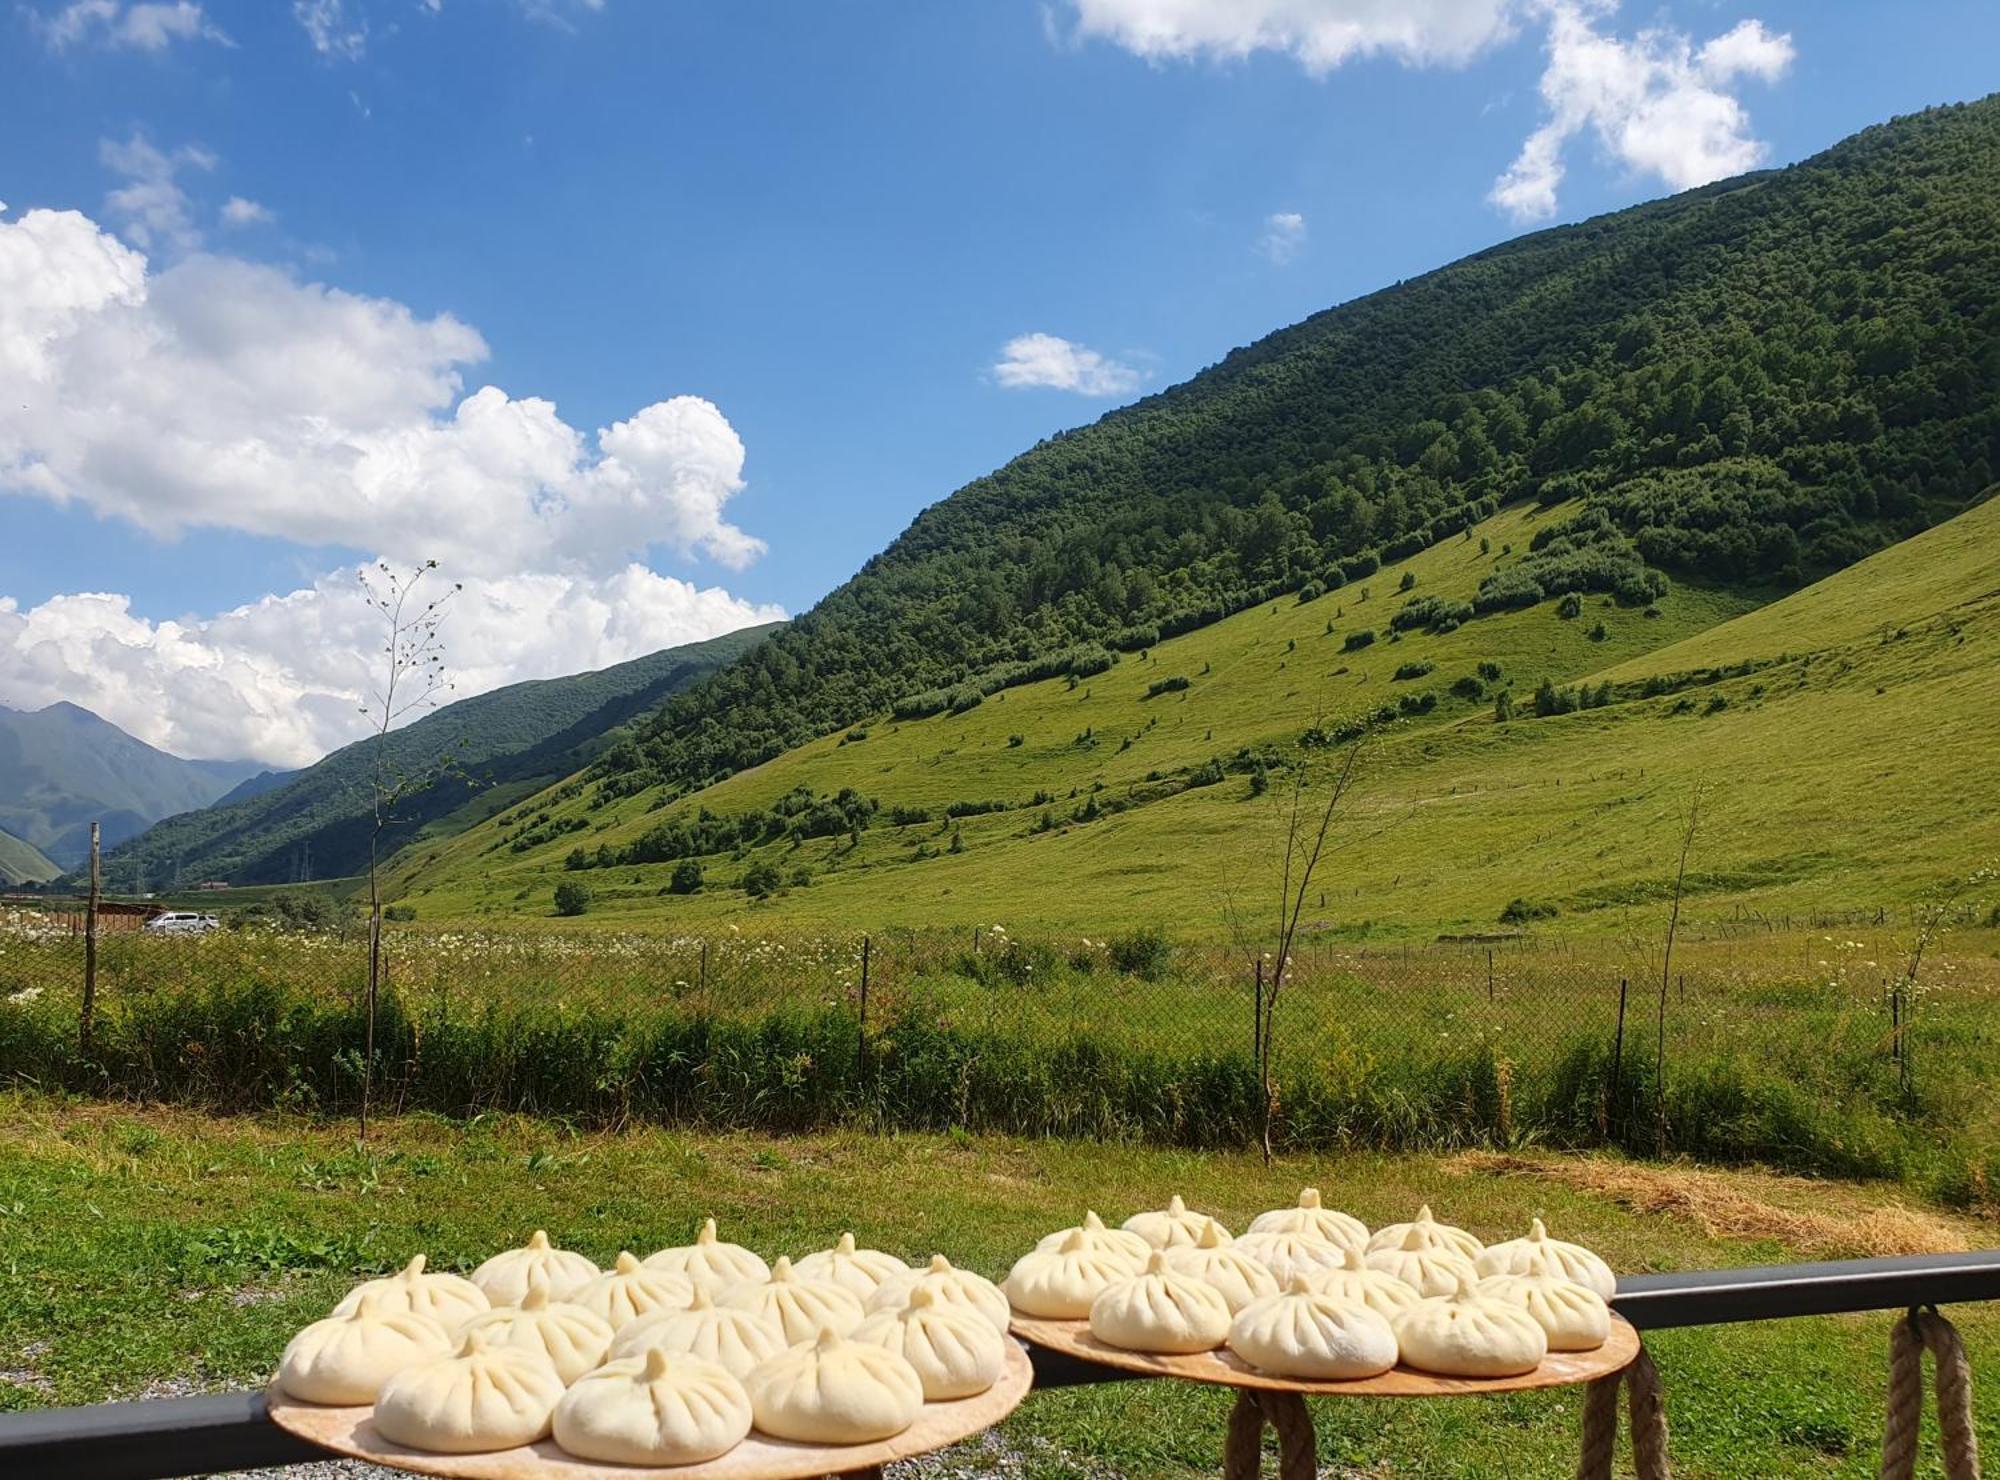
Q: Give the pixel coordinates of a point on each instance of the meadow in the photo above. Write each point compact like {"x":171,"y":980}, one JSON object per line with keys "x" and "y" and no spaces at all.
{"x":154,"y":1251}
{"x":1806,"y":1051}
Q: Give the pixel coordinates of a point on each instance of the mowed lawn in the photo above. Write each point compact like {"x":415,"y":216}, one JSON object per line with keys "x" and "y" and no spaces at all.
{"x":153,"y":1251}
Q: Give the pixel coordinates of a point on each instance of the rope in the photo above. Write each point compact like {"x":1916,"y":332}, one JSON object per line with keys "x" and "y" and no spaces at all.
{"x":1920,"y":1331}
{"x":1298,"y":1453}
{"x":1649,"y":1417}
{"x":1242,"y":1444}
{"x":1600,"y":1428}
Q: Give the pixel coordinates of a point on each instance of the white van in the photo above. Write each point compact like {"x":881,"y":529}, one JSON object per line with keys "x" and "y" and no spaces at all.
{"x":182,"y":922}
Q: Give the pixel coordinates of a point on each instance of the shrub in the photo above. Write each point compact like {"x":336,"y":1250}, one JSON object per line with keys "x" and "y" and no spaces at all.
{"x":1409,"y":581}
{"x":577,"y":859}
{"x":1356,"y":641}
{"x":1311,"y":591}
{"x":908,"y":816}
{"x":1571,"y":606}
{"x":1433,"y":614}
{"x":1015,"y":742}
{"x":572,"y":898}
{"x":1145,"y":954}
{"x":1489,"y":671}
{"x":1598,"y":633}
{"x":761,"y":880}
{"x":687,"y":877}
{"x":854,"y":737}
{"x":402,"y":914}
{"x":1520,"y":912}
{"x":1418,"y":669}
{"x":1468,"y":687}
{"x":1165,"y":686}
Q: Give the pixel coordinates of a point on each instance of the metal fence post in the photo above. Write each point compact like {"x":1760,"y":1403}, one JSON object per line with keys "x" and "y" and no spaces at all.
{"x":1489,"y":973}
{"x":863,"y":1025}
{"x":87,"y":1018}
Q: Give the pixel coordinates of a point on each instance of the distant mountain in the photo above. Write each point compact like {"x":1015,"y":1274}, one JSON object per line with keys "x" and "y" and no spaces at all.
{"x":277,"y":827}
{"x":63,"y":767}
{"x":23,"y":863}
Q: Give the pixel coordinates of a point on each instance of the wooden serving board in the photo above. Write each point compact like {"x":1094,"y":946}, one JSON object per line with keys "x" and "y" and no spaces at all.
{"x":1224,"y":1367}
{"x":351,"y":1431}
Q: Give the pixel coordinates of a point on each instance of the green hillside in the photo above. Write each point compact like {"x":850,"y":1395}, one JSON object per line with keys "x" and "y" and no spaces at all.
{"x":504,"y":744}
{"x":23,"y":863}
{"x":1763,"y":380}
{"x":62,"y":768}
{"x":1821,"y":798}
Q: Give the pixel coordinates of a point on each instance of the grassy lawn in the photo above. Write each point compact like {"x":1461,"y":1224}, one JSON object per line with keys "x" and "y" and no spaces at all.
{"x":156,"y":1251}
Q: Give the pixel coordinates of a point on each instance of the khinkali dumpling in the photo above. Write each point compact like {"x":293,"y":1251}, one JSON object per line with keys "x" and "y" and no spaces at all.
{"x":709,"y":1262}
{"x":1215,"y":1260}
{"x":484,"y":1398}
{"x":735,"y":1340}
{"x":1356,"y":1284}
{"x":504,"y":1278}
{"x":799,"y":1308}
{"x":955,"y":1352}
{"x":446,"y":1298}
{"x":654,"y":1409}
{"x":1311,"y":1216}
{"x":1540,"y":1254}
{"x":344,"y":1360}
{"x":1060,"y":1283}
{"x":1574,"y":1317}
{"x":1466,"y":1334}
{"x":1429,"y":1234}
{"x":830,"y":1391}
{"x":1288,"y":1254}
{"x":1097,"y":1236}
{"x":951,"y":1286}
{"x":629,"y":1290}
{"x":858,"y":1271}
{"x":1306,"y":1333}
{"x":572,"y":1338}
{"x":1160,"y":1311}
{"x":1171,"y":1227}
{"x":1428,"y":1267}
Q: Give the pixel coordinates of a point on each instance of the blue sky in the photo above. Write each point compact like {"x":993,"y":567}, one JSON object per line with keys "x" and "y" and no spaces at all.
{"x":827,"y":222}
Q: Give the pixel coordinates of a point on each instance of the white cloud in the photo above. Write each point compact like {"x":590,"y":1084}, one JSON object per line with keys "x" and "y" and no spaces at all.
{"x":236,"y":211}
{"x":219,"y":393}
{"x":1284,"y":236}
{"x":280,"y":679}
{"x":1037,"y":360}
{"x":151,"y":25}
{"x":151,"y":204}
{"x":327,"y":26}
{"x":1656,"y":104}
{"x":1319,"y":34}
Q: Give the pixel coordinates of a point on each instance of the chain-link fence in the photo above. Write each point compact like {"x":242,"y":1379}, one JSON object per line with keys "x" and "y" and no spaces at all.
{"x":1811,"y":1050}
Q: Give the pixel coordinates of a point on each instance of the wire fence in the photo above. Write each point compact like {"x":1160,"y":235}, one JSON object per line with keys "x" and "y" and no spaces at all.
{"x":1812,"y":1050}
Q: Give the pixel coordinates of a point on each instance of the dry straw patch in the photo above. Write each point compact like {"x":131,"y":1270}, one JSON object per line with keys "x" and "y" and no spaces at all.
{"x":1742,"y":1205}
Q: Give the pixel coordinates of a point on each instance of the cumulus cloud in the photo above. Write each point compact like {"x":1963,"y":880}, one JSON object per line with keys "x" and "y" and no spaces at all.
{"x":220,"y":393}
{"x":1319,"y":34}
{"x":151,"y":204}
{"x":1656,"y":103}
{"x":1045,"y":360}
{"x":1284,"y":235}
{"x":331,"y":31}
{"x":149,"y":25}
{"x":280,"y":679}
{"x":236,"y":211}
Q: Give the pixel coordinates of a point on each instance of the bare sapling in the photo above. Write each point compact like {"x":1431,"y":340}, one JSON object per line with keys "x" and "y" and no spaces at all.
{"x":1690,"y":825}
{"x":411,"y":678}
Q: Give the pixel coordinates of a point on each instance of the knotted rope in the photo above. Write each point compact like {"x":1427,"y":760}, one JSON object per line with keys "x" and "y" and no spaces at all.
{"x":1242,"y":1448}
{"x":1919,"y":1331}
{"x":1648,"y":1405}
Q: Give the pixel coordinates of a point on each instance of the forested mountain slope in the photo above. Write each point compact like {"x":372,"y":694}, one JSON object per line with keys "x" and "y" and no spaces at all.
{"x":23,"y":863}
{"x":1544,"y":754}
{"x":1760,"y":381}
{"x":315,"y":824}
{"x":62,"y":767}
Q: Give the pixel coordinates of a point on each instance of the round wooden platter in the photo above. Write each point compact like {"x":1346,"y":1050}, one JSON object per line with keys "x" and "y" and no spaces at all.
{"x":351,"y":1432}
{"x":1227,"y":1369}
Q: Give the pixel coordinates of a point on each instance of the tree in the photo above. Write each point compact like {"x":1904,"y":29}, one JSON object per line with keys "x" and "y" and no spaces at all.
{"x":412,"y":677}
{"x":762,"y":880}
{"x":687,"y":877}
{"x":572,"y":897}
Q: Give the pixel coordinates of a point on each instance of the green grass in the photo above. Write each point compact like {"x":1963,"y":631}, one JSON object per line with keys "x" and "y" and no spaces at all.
{"x":148,"y":1249}
{"x":1822,"y":797}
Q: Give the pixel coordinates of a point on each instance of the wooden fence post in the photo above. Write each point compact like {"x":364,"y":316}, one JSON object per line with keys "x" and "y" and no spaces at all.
{"x":863,"y":1026}
{"x":87,"y":1021}
{"x":1489,"y":973}
{"x":1617,"y":1055}
{"x":701,"y":985}
{"x":1257,"y":1023}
